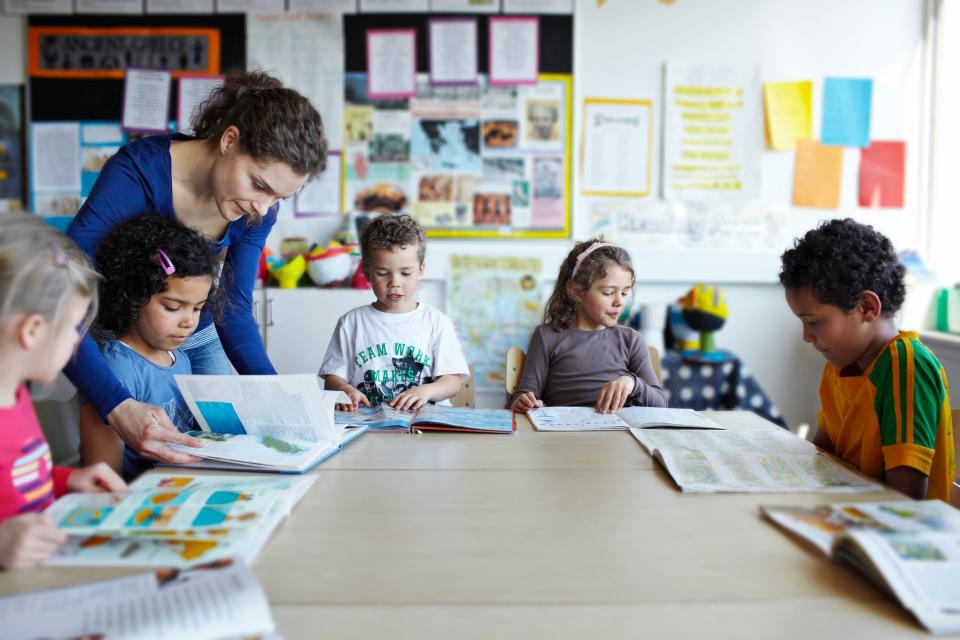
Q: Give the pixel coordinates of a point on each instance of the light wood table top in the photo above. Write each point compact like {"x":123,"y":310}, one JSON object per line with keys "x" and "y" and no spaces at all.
{"x":560,"y":535}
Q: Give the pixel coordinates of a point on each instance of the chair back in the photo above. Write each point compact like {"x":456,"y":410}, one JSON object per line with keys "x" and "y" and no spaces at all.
{"x":655,"y":361}
{"x":515,"y":359}
{"x":467,"y":396}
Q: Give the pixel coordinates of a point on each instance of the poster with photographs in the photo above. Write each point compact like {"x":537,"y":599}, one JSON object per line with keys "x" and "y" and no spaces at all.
{"x":11,"y":151}
{"x":465,"y":161}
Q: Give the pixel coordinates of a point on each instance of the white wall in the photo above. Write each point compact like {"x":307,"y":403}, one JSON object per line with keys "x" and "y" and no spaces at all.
{"x":12,"y":49}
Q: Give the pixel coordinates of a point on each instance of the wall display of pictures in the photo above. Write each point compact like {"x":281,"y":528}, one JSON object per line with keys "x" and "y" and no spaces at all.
{"x":466,"y":161}
{"x":11,"y":148}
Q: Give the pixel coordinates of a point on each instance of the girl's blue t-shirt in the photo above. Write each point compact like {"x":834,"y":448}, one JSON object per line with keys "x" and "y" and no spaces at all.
{"x":137,"y":179}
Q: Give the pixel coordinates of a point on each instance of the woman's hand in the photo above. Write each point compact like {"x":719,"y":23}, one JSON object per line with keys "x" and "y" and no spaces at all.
{"x":526,"y":401}
{"x":614,"y":394}
{"x":146,"y":429}
{"x":28,"y":540}
{"x":96,"y":478}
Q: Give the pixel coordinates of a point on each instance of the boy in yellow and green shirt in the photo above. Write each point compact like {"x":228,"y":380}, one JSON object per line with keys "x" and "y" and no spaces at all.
{"x":883,"y":394}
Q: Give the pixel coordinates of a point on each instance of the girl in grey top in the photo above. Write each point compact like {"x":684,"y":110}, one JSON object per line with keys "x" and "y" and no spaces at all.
{"x":580,"y":356}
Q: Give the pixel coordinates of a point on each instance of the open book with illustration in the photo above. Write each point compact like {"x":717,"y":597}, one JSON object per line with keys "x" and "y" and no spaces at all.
{"x":747,"y":461}
{"x":909,"y":548}
{"x":267,"y":423}
{"x":174,"y":520}
{"x":587,"y":419}
{"x":217,"y":600}
{"x":430,"y":417}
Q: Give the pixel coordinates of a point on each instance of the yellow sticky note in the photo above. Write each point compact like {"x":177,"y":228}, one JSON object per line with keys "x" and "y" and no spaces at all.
{"x":789,"y":111}
{"x":816,"y":175}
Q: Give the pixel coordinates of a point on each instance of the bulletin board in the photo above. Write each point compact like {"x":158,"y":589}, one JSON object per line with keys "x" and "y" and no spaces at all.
{"x":622,"y":49}
{"x":474,"y":161}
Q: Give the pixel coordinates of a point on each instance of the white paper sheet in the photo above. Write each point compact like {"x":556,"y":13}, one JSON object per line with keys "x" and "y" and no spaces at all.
{"x":326,"y":6}
{"x":321,"y":196}
{"x":391,"y":63}
{"x":250,"y":6}
{"x":146,"y":100}
{"x":538,"y":6}
{"x":306,"y":53}
{"x":55,"y":156}
{"x":213,"y":602}
{"x":618,"y":147}
{"x":110,"y":6}
{"x":38,"y":6}
{"x":453,"y":51}
{"x":394,"y":6}
{"x":191,"y":92}
{"x":465,"y":6}
{"x":179,"y":6}
{"x":514,"y":50}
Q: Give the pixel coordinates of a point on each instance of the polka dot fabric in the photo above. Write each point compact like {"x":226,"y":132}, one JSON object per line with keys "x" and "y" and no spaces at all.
{"x":720,"y":385}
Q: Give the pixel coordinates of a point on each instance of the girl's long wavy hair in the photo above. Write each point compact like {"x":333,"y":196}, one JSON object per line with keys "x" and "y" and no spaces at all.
{"x":561,"y":311}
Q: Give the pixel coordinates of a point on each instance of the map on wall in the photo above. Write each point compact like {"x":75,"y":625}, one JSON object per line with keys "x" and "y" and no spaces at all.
{"x":465,"y":161}
{"x":495,"y":303}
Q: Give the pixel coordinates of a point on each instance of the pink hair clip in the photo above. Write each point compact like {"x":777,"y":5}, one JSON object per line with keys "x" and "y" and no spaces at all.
{"x":60,"y":258}
{"x":165,"y":263}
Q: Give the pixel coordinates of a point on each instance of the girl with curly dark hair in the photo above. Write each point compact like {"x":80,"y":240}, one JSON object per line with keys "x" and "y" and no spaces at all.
{"x":254,"y":142}
{"x":580,"y":356}
{"x":157,"y":281}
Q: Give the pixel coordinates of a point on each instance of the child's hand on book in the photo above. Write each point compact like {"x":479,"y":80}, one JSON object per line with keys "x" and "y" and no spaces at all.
{"x":96,"y":478}
{"x":412,"y":398}
{"x":526,"y":401}
{"x":356,"y":400}
{"x":28,"y":540}
{"x":614,"y":394}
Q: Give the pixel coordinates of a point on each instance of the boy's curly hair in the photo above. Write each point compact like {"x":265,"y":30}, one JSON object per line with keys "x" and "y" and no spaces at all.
{"x":127,"y":260}
{"x":390,"y":230}
{"x":842,"y":258}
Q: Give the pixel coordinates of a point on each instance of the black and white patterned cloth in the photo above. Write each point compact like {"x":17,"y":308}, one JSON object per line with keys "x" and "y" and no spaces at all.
{"x":728,"y":384}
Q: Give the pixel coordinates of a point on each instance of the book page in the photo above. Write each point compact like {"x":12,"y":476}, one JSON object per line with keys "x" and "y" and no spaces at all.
{"x":652,"y":417}
{"x":380,"y":417}
{"x":202,"y":505}
{"x":922,"y":570}
{"x":499,"y":420}
{"x":747,"y":461}
{"x":283,"y":406}
{"x":289,"y":454}
{"x":574,"y":419}
{"x":214,"y":601}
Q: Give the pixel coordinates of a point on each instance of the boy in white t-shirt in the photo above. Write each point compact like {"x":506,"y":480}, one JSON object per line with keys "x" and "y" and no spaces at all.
{"x":396,"y":350}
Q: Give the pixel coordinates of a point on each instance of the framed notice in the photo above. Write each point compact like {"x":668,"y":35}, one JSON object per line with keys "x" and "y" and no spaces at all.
{"x":617,"y":150}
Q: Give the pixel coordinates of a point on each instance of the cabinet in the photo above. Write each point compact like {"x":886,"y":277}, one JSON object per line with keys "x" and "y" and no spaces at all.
{"x":296,"y":324}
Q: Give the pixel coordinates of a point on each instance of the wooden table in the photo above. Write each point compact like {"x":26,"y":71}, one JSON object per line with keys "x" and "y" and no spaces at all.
{"x":552,"y":535}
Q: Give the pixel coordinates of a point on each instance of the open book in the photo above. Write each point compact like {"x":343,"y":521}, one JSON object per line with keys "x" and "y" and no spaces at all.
{"x":747,"y":461}
{"x":263,"y":423}
{"x":911,"y":549}
{"x":174,"y":520}
{"x":218,"y":600}
{"x":587,"y":419}
{"x":430,"y":417}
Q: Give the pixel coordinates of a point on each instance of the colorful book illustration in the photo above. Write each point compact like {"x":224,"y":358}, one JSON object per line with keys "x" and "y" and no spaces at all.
{"x":431,"y":417}
{"x":768,"y":460}
{"x":279,"y":423}
{"x":588,"y":419}
{"x":174,"y":520}
{"x":215,"y":600}
{"x":910,"y":548}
